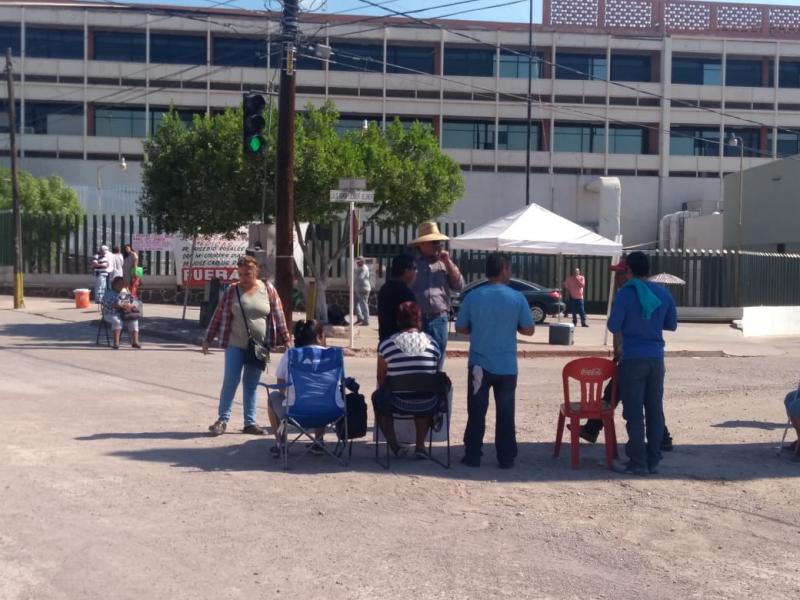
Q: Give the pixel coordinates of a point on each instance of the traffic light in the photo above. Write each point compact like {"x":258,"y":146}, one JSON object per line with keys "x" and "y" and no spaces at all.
{"x":253,"y":123}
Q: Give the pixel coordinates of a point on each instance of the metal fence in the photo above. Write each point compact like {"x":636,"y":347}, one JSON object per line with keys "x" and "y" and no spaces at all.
{"x":64,"y":244}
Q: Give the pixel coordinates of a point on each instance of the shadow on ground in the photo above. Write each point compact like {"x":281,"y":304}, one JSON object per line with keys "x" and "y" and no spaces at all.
{"x":702,"y":462}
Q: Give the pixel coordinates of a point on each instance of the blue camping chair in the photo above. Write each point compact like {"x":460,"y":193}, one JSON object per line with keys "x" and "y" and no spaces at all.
{"x":316,"y":374}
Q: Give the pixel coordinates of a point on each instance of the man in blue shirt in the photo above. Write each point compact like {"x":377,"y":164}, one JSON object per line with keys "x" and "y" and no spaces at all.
{"x":492,"y":315}
{"x":641,"y":312}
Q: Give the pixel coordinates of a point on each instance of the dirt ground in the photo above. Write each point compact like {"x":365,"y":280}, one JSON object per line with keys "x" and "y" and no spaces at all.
{"x":110,"y":488}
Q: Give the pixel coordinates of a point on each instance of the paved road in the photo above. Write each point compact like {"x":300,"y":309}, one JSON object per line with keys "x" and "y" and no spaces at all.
{"x":110,"y":488}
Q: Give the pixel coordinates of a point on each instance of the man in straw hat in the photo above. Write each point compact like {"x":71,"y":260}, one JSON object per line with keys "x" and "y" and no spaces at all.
{"x":437,"y":278}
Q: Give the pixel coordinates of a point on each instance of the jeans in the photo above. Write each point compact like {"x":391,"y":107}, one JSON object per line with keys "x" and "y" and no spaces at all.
{"x":642,"y":380}
{"x":438,"y":328}
{"x":505,"y":435}
{"x":362,"y":307}
{"x":595,"y":426}
{"x":577,"y":309}
{"x":100,"y":287}
{"x":234,"y":365}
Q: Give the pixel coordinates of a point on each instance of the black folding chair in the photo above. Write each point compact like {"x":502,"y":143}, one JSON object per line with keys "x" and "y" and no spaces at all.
{"x":104,"y":328}
{"x":426,"y":385}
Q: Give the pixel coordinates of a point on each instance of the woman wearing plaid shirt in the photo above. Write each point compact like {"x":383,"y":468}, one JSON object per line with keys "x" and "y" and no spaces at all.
{"x":261,"y":306}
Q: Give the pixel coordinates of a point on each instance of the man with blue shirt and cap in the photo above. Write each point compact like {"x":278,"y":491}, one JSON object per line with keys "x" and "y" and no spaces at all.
{"x":641,"y":312}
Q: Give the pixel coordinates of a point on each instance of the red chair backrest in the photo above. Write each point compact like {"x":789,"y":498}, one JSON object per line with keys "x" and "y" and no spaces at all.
{"x":591,"y":375}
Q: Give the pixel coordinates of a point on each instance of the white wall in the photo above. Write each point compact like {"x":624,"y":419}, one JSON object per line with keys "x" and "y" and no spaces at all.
{"x":703,"y":233}
{"x":762,"y":321}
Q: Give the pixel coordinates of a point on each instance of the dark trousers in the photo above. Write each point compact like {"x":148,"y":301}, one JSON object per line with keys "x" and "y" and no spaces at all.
{"x":595,"y":426}
{"x":578,"y":308}
{"x":642,"y":379}
{"x":480,"y":381}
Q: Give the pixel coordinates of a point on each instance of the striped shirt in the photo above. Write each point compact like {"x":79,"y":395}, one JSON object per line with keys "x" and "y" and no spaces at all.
{"x":410,"y":352}
{"x":221,"y":321}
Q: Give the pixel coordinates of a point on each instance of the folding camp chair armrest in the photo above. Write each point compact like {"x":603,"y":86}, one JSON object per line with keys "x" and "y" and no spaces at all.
{"x":275,"y":386}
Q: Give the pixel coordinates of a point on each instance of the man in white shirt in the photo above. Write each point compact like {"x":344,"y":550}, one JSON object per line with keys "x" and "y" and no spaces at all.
{"x":362,"y":290}
{"x":115,"y":263}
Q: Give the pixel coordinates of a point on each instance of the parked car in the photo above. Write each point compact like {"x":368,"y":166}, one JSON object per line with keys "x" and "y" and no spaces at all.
{"x":541,"y":300}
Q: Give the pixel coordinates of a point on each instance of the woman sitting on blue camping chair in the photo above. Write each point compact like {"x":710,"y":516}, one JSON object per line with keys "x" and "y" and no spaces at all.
{"x":306,"y":333}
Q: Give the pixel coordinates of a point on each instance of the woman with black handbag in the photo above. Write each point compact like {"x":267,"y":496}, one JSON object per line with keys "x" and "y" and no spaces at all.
{"x":248,"y":319}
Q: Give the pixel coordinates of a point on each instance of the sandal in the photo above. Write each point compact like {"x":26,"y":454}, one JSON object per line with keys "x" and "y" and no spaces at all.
{"x":254,"y":430}
{"x":400,"y":451}
{"x":115,"y":346}
{"x":218,"y":428}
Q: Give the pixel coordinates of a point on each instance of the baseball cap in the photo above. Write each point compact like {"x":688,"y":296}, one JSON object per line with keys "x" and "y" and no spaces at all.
{"x":620,"y":266}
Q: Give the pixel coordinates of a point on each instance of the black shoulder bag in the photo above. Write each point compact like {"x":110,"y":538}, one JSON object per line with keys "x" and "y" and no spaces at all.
{"x":256,"y":354}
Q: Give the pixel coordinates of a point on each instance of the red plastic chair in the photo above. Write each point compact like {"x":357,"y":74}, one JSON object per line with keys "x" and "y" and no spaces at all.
{"x":591,"y":375}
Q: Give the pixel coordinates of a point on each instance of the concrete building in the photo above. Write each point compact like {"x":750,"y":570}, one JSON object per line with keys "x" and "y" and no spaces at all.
{"x":770,"y":208}
{"x":643,"y":90}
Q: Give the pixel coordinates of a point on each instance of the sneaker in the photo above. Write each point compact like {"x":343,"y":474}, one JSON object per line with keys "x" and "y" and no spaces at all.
{"x":790,"y":447}
{"x":585,"y":434}
{"x":653,"y":470}
{"x":666,"y":444}
{"x":795,"y":460}
{"x":584,"y":324}
{"x":218,"y":428}
{"x":470,"y":462}
{"x":254,"y":430}
{"x":420,"y":453}
{"x":314,"y":448}
{"x":137,"y":346}
{"x":626,"y":469}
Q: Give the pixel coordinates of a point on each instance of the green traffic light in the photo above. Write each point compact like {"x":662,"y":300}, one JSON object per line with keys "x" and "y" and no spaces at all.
{"x":255,"y":143}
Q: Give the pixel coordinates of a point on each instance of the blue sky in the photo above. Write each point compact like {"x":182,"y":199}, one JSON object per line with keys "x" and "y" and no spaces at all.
{"x":477,"y":10}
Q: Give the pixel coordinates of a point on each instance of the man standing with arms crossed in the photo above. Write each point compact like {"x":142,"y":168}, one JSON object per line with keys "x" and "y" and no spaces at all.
{"x":641,"y":312}
{"x":437,"y":278}
{"x":492,"y":315}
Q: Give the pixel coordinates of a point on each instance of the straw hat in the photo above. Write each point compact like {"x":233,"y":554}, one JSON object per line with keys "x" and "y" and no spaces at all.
{"x":428,"y":232}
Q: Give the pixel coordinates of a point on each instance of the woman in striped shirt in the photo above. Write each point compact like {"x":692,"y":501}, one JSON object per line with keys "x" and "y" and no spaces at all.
{"x":409,"y":351}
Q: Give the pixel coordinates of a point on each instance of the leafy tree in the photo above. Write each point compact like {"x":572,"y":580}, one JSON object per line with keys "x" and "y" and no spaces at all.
{"x":197,"y":180}
{"x":39,"y":195}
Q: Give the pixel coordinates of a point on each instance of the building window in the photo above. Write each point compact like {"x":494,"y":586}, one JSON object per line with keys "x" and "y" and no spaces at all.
{"x":357,"y":57}
{"x":10,"y":38}
{"x":119,"y":122}
{"x":240,"y":52}
{"x":54,"y":43}
{"x":4,"y":119}
{"x":177,"y":49}
{"x":186,"y":117}
{"x":694,"y":141}
{"x":53,"y":119}
{"x":514,"y":135}
{"x":625,"y":67}
{"x":122,"y":46}
{"x":517,"y":65}
{"x":743,"y":73}
{"x":402,"y":59}
{"x":580,"y":66}
{"x":788,"y":74}
{"x":466,"y":62}
{"x":788,"y":143}
{"x":623,"y":139}
{"x":574,"y":137}
{"x":697,"y":71}
{"x":468,"y":135}
{"x":751,"y":139}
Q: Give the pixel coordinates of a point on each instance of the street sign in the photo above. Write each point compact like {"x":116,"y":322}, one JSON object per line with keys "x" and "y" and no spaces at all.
{"x":345,"y":196}
{"x":352,"y":185}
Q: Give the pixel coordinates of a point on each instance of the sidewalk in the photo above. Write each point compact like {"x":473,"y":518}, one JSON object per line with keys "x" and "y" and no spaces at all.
{"x":163,"y":321}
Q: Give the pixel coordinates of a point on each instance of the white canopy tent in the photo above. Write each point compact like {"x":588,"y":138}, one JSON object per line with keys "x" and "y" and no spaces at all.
{"x":536,"y":230}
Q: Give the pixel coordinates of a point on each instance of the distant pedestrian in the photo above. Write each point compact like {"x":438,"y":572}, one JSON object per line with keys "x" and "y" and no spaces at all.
{"x":394,"y":292}
{"x":362,"y":290}
{"x":130,"y":270}
{"x":117,"y":262}
{"x":641,"y":312}
{"x":575,"y":285}
{"x":493,"y":315}
{"x":100,"y":264}
{"x":437,"y":277}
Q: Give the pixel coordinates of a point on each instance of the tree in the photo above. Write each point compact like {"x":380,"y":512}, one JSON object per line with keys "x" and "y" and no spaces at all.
{"x":413,"y":180}
{"x":197,"y":180}
{"x":39,"y":195}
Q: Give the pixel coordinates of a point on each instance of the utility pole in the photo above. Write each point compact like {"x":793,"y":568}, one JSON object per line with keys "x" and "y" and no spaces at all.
{"x":284,"y":209}
{"x":19,"y":300}
{"x":530,"y":90}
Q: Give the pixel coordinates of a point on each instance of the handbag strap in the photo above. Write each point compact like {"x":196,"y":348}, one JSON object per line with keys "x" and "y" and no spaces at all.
{"x":244,"y":314}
